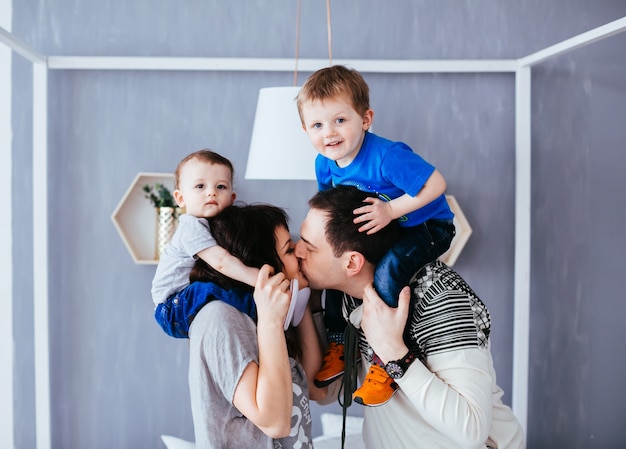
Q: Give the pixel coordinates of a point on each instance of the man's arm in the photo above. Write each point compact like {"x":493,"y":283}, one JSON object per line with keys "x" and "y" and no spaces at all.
{"x":452,"y":391}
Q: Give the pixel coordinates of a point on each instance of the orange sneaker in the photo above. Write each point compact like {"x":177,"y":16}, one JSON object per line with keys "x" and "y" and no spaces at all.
{"x":333,"y":366}
{"x":377,"y":388}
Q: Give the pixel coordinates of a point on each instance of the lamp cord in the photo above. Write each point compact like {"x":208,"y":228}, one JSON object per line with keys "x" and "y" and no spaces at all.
{"x":295,"y":72}
{"x":329,"y":36}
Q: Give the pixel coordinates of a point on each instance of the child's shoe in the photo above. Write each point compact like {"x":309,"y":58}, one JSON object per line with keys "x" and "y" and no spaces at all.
{"x":377,"y":388}
{"x":333,"y":367}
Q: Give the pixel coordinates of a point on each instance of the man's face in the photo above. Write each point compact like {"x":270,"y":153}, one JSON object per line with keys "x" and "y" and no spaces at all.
{"x":317,"y":262}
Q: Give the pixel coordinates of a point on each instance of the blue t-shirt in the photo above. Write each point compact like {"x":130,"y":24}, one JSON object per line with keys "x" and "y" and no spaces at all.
{"x":388,"y":169}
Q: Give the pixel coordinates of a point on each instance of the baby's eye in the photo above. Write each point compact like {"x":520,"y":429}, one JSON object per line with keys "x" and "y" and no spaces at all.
{"x":199,"y":186}
{"x":341,"y":120}
{"x":221,"y":187}
{"x":316,"y":126}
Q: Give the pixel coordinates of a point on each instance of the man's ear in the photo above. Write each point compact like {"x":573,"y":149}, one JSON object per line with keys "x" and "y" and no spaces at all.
{"x":355,"y":262}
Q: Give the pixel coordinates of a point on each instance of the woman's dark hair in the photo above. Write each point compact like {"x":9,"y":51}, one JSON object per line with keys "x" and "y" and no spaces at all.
{"x":248,"y":232}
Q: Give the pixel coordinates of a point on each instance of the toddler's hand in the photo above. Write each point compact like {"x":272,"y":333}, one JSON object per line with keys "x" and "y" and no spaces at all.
{"x":376,"y":215}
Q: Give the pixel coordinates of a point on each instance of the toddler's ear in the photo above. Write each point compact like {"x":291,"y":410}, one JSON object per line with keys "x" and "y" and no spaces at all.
{"x":368,"y":118}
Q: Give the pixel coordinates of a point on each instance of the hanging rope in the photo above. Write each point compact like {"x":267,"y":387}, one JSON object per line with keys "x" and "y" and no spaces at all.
{"x":329,"y":37}
{"x":295,"y":72}
{"x":330,"y":34}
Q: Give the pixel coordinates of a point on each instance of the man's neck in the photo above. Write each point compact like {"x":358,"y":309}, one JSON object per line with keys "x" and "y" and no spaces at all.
{"x":356,"y":284}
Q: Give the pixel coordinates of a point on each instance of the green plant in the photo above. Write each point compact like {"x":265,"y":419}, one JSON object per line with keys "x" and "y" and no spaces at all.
{"x":159,"y":195}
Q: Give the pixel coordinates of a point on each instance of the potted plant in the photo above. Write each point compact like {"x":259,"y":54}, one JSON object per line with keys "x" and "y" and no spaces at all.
{"x":167,"y":212}
{"x":159,"y":195}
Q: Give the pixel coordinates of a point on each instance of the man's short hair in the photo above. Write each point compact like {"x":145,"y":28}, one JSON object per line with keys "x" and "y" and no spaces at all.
{"x":342,"y":233}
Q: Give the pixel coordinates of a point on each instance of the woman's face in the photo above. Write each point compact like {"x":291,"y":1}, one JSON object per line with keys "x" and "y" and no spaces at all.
{"x":285,"y":248}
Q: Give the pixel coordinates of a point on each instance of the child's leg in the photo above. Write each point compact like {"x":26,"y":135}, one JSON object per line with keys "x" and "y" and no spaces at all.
{"x":175,"y":315}
{"x":377,"y":387}
{"x":333,"y":316}
{"x":334,"y":362}
{"x":416,"y":247}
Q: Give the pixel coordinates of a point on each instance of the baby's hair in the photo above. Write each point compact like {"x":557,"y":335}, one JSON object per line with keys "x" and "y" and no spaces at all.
{"x":333,"y":82}
{"x":204,"y":155}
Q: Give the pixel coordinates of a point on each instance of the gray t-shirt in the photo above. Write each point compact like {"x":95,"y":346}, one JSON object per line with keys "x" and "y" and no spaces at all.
{"x":178,"y":258}
{"x":222,"y":342}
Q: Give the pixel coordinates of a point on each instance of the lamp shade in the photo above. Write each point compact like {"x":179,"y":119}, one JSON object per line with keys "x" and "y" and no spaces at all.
{"x":279,"y":148}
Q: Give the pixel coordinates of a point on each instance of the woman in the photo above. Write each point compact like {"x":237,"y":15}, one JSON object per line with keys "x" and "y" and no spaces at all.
{"x":249,"y":381}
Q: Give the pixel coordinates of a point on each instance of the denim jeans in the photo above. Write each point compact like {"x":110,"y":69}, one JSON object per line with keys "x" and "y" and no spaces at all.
{"x":175,"y":315}
{"x":415,"y":247}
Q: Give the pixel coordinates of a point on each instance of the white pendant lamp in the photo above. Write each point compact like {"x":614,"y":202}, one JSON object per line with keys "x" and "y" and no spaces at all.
{"x":279,"y":147}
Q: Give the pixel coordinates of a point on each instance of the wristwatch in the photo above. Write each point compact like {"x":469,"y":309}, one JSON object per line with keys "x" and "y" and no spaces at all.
{"x":397,"y":368}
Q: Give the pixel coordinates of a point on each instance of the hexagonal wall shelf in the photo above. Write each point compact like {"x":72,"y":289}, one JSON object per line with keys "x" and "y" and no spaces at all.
{"x":463,"y":232}
{"x":135,"y":217}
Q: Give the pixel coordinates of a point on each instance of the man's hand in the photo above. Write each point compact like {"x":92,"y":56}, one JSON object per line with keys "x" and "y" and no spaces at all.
{"x":376,"y":215}
{"x":271,"y":295}
{"x":383,"y":325}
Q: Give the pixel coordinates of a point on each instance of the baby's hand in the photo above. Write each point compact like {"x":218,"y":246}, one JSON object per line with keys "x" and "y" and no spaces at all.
{"x":271,"y":295}
{"x":376,"y":215}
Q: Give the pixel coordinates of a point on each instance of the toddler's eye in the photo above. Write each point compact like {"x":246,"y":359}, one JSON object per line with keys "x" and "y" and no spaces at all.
{"x":221,"y":187}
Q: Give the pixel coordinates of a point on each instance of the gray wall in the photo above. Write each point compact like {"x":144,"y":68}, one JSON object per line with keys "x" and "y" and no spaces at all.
{"x":118,"y":381}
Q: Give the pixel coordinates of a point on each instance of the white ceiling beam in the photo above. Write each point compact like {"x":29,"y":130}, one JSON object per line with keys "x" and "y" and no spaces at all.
{"x":277,"y":64}
{"x":20,"y":47}
{"x":602,"y":32}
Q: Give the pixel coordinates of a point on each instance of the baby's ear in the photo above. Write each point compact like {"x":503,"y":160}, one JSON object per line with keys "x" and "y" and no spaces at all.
{"x":178,"y":197}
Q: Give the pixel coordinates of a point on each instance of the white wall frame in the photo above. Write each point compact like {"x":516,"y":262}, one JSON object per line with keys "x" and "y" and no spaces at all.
{"x":520,"y":67}
{"x":7,"y":351}
{"x":40,"y":239}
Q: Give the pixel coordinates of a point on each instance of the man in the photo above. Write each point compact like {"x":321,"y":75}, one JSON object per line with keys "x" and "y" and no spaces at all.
{"x":447,"y":394}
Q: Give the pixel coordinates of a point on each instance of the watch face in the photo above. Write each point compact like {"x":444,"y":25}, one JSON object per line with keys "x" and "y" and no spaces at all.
{"x":394,"y":370}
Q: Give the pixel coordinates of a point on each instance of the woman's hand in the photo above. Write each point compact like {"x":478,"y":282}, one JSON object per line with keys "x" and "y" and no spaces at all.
{"x":264,"y":393}
{"x":271,"y":296}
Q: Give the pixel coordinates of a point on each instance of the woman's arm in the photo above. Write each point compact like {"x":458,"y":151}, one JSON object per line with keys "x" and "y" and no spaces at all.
{"x":264,"y":393}
{"x":311,"y":353}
